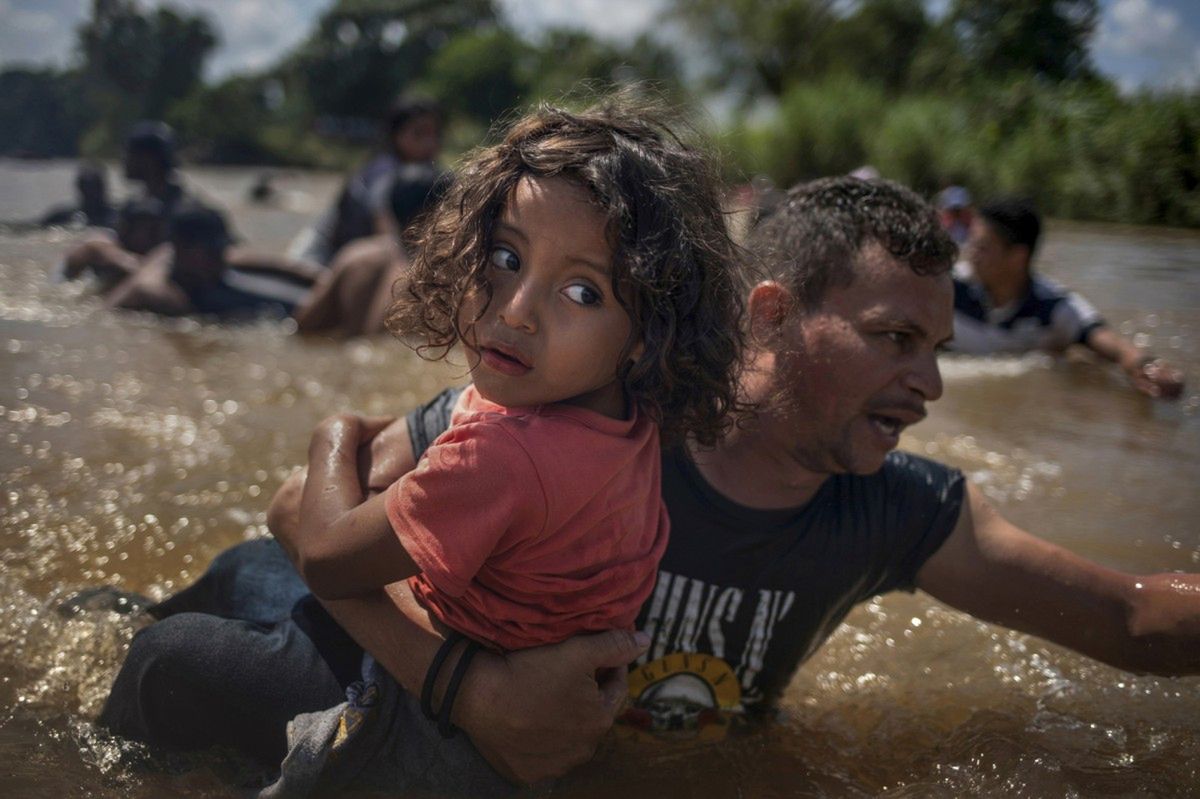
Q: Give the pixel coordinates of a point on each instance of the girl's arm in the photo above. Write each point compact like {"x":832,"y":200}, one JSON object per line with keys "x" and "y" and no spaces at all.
{"x":344,"y":544}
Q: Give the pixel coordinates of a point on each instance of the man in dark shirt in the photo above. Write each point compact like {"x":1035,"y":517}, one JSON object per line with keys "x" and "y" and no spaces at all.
{"x":779,"y":530}
{"x":192,"y":275}
{"x":789,"y":521}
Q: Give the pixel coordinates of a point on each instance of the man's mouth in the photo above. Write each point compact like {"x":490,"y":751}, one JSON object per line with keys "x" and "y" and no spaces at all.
{"x":887,"y":425}
{"x":892,"y":422}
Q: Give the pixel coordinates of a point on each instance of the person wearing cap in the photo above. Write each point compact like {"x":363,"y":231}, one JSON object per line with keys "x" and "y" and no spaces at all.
{"x":192,"y":276}
{"x":1002,"y":306}
{"x":150,"y":160}
{"x":955,"y":212}
{"x":413,"y":136}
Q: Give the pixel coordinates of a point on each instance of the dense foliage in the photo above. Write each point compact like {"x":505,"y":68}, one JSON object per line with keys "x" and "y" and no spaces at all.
{"x":998,"y":95}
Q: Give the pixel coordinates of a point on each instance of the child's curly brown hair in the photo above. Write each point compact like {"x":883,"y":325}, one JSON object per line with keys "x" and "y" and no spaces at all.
{"x":675,"y":267}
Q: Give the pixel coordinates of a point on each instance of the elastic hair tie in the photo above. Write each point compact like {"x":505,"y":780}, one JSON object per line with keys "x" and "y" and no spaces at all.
{"x":431,"y":676}
{"x":447,"y":729}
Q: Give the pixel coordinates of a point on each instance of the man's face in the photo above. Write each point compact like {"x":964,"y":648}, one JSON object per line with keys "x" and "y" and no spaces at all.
{"x":992,"y":258}
{"x":852,"y":373}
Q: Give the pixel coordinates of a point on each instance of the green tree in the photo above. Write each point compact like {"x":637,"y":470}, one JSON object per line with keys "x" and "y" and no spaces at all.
{"x":1048,"y":38}
{"x":761,"y":45}
{"x":879,"y":40}
{"x":565,"y":58}
{"x":364,"y":52}
{"x":43,"y":112}
{"x":138,"y":64}
{"x":479,"y":74}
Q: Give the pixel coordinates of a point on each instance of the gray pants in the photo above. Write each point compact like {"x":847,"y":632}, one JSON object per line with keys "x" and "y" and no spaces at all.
{"x":246,"y":658}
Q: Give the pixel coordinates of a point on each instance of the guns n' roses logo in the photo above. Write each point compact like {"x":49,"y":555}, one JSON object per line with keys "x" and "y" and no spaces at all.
{"x":683,"y":695}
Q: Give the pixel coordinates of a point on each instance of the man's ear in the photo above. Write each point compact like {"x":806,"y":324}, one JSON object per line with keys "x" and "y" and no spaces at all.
{"x":769,"y":307}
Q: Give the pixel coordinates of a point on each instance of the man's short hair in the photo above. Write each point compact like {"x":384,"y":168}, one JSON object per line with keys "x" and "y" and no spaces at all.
{"x":812,"y":240}
{"x":406,"y":108}
{"x":1014,"y":219}
{"x":196,"y":225}
{"x":153,"y":137}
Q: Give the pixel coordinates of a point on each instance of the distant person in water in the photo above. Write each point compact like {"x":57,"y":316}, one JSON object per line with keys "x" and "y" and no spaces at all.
{"x":192,"y":275}
{"x":352,"y":297}
{"x":955,"y":211}
{"x":1002,"y":306}
{"x":142,"y":222}
{"x":413,"y":135}
{"x":139,"y":229}
{"x":93,"y":208}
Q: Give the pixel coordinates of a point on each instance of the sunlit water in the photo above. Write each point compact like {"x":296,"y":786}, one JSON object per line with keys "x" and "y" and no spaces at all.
{"x":132,"y":450}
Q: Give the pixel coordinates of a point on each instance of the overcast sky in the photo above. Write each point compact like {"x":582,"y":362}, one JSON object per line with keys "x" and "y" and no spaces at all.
{"x":1153,"y":43}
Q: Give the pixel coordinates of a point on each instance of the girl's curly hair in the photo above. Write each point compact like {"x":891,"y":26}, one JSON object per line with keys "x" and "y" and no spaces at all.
{"x":675,"y":267}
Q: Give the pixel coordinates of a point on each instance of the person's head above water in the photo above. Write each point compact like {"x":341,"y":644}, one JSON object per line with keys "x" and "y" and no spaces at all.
{"x":844,"y":335}
{"x":91,"y":185}
{"x":585,"y":259}
{"x":1003,"y":239}
{"x":200,"y":237}
{"x":149,"y":151}
{"x":414,"y":129}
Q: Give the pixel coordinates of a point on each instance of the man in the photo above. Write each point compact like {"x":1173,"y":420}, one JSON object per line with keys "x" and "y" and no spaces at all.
{"x":1000,"y":305}
{"x":955,"y":212}
{"x":782,"y":528}
{"x":93,"y":208}
{"x":192,"y":275}
{"x":142,"y":223}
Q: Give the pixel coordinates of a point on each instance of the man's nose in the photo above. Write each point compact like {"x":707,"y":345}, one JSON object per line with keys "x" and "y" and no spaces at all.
{"x":925,"y":377}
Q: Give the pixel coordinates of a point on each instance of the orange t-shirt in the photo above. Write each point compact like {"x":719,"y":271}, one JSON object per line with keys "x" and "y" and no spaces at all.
{"x":533,"y":524}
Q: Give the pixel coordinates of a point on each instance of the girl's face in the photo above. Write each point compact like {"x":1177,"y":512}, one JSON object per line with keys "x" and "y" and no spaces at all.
{"x":419,"y":139}
{"x":553,"y":331}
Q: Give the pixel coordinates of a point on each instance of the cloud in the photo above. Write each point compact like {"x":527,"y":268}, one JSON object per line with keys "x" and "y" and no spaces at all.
{"x":40,"y":32}
{"x":254,"y":33}
{"x":1147,"y":43}
{"x":612,"y":19}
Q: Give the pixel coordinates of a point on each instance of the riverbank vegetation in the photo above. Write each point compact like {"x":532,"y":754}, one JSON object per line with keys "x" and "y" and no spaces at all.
{"x":1000,"y":97}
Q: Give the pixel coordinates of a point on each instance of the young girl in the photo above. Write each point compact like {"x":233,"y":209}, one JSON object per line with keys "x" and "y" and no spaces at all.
{"x":584,"y":267}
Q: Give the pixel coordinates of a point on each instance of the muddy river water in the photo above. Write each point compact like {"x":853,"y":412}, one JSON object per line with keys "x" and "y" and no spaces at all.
{"x":132,"y":450}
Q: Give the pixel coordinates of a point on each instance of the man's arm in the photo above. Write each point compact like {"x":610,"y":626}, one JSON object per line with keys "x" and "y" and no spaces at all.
{"x":151,"y":288}
{"x":997,"y":572}
{"x":1151,"y":376}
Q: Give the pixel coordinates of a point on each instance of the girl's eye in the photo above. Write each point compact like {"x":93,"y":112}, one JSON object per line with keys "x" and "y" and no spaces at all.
{"x":504,"y":258}
{"x":582,"y":294}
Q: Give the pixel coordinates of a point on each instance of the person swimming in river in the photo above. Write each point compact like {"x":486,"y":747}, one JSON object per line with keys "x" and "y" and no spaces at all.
{"x":584,"y":267}
{"x":413,"y":135}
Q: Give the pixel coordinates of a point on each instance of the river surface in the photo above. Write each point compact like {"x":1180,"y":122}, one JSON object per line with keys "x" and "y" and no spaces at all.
{"x":133,"y":450}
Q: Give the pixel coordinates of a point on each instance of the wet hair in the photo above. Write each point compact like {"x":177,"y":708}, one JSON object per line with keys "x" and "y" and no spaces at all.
{"x":811,"y":241}
{"x":406,"y":108}
{"x":155,"y":138}
{"x":1015,"y":220}
{"x":674,"y":264}
{"x":196,"y":225}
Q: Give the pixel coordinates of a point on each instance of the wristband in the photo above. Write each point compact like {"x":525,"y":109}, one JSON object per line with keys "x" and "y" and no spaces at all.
{"x":447,"y":729}
{"x":431,"y":676}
